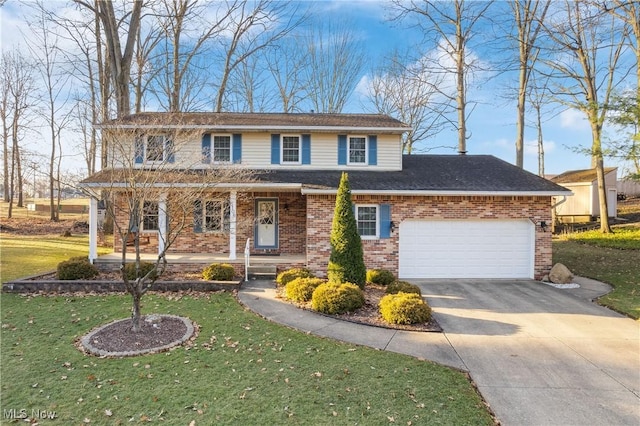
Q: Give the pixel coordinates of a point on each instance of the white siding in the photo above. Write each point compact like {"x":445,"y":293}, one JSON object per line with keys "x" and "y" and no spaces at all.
{"x":256,"y":152}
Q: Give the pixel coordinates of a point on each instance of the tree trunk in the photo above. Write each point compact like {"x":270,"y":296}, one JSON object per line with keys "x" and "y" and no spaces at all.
{"x":135,"y":311}
{"x":540,"y":142}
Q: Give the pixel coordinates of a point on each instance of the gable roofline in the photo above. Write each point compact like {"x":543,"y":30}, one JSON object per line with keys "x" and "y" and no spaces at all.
{"x":586,"y":176}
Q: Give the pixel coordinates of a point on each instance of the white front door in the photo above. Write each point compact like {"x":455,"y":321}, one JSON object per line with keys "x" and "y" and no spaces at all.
{"x":266,"y":224}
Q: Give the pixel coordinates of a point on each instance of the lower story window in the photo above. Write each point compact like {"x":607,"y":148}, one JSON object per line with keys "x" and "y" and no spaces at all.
{"x":367,"y":221}
{"x":217,"y":215}
{"x":150,"y":214}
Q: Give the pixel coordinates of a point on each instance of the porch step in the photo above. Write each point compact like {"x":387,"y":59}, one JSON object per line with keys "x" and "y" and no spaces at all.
{"x":264,"y":272}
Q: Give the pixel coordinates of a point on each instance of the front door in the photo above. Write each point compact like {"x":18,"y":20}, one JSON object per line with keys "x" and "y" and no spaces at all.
{"x":266,"y":229}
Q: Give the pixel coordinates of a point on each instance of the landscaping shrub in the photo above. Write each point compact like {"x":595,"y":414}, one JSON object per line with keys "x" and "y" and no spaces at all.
{"x":403,"y":286}
{"x":335,"y":298}
{"x":285,"y":277}
{"x":76,"y":268}
{"x":145,"y":267}
{"x":404,"y":308}
{"x":218,"y":272}
{"x":301,"y":289}
{"x":380,"y":276}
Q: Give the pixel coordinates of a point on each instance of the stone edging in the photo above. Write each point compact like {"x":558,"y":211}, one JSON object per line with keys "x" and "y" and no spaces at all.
{"x":86,"y":346}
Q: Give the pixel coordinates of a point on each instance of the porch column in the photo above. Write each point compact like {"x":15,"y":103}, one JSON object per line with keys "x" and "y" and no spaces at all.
{"x":93,"y":229}
{"x":233,"y":199}
{"x":162,"y":223}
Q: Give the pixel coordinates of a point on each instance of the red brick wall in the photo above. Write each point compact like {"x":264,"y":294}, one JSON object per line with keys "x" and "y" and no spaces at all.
{"x":292,"y":223}
{"x":383,"y":253}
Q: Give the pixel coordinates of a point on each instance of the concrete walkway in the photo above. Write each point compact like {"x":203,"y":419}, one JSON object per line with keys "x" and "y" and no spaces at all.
{"x":539,"y":355}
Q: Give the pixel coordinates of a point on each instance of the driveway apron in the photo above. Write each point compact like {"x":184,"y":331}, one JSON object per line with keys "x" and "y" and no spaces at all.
{"x":541,"y":355}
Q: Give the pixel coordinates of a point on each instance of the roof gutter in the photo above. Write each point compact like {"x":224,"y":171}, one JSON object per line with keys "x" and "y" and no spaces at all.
{"x":92,"y":186}
{"x":311,"y":191}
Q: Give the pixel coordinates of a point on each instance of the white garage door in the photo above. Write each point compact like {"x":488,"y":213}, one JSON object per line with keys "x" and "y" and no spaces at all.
{"x":467,"y":249}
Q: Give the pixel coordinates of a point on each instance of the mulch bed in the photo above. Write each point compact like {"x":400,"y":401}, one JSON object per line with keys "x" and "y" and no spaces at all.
{"x":158,"y":332}
{"x":369,"y":313}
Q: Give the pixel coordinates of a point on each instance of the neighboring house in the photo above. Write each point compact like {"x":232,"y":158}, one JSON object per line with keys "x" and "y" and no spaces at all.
{"x":420,"y":216}
{"x":628,"y":187}
{"x":584,"y":205}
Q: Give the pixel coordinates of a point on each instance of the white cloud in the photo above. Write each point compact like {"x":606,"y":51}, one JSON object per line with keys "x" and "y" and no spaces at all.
{"x":573,"y":119}
{"x":531,"y":147}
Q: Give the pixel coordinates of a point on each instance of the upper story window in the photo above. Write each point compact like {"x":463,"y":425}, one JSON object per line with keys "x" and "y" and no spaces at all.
{"x":154,"y":149}
{"x":357,"y":150}
{"x":291,"y":149}
{"x":222,"y":149}
{"x":367,"y":220}
{"x":150,"y":216}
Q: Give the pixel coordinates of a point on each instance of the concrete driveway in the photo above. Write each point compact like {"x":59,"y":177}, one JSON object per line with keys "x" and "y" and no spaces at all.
{"x":541,"y":355}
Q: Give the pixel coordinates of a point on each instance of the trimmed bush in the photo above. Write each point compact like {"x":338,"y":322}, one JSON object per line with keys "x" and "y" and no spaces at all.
{"x":380,"y":276}
{"x":335,"y":298}
{"x":218,"y":272}
{"x":285,"y":277}
{"x":145,"y":267}
{"x":76,"y":268}
{"x":301,"y":289}
{"x":404,"y":287}
{"x":404,"y":308}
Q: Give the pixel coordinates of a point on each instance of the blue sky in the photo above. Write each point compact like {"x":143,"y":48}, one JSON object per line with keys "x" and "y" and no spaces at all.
{"x":491,"y":124}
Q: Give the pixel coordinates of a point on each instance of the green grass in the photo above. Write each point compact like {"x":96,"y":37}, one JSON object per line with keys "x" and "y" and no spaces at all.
{"x":613,"y":259}
{"x":240,"y":370}
{"x":22,"y":255}
{"x":624,"y":238}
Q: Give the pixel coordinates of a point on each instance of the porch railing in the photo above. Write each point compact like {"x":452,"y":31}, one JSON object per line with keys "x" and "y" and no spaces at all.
{"x":247,"y":262}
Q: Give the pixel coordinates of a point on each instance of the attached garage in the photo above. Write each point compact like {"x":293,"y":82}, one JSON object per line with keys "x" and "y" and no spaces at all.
{"x":467,"y":249}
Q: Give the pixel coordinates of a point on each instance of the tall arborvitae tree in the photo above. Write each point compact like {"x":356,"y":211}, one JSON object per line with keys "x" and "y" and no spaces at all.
{"x":346,"y":263}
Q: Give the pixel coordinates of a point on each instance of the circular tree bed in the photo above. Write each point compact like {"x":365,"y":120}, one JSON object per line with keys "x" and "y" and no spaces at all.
{"x":158,"y":333}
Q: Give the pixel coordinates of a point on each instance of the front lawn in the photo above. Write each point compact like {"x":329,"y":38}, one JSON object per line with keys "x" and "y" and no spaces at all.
{"x":241,"y":369}
{"x":612,"y":258}
{"x":23,"y":255}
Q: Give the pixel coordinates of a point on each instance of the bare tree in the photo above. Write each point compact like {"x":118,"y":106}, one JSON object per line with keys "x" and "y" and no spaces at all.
{"x":450,"y":27}
{"x":18,"y":86}
{"x":410,"y":94}
{"x":284,"y":63}
{"x":44,"y":48}
{"x":588,"y":50}
{"x":529,"y":15}
{"x":159,"y":196}
{"x":119,"y":59}
{"x":335,"y":60}
{"x":253,"y":26}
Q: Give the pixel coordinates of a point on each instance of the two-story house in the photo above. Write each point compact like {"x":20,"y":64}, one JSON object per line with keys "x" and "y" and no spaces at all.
{"x":420,"y":216}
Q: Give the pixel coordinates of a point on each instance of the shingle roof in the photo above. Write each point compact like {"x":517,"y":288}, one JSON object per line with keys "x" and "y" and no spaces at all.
{"x":275,"y":121}
{"x":423,"y":173}
{"x":577,"y":176}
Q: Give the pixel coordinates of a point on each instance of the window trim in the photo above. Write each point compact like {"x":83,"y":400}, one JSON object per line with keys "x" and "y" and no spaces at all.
{"x":368,"y":237}
{"x":225,"y":220}
{"x":144,"y":215}
{"x":366,"y":150}
{"x":299,"y":138}
{"x":213,"y":148}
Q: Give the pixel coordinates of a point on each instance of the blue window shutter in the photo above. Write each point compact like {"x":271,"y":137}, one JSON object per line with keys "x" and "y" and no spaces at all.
{"x":306,"y":149}
{"x":169,"y":150}
{"x":275,"y":149}
{"x":237,"y":148}
{"x":197,"y":216}
{"x":385,"y":220}
{"x":206,"y":148}
{"x":373,"y":150}
{"x":139,"y":149}
{"x":342,"y":150}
